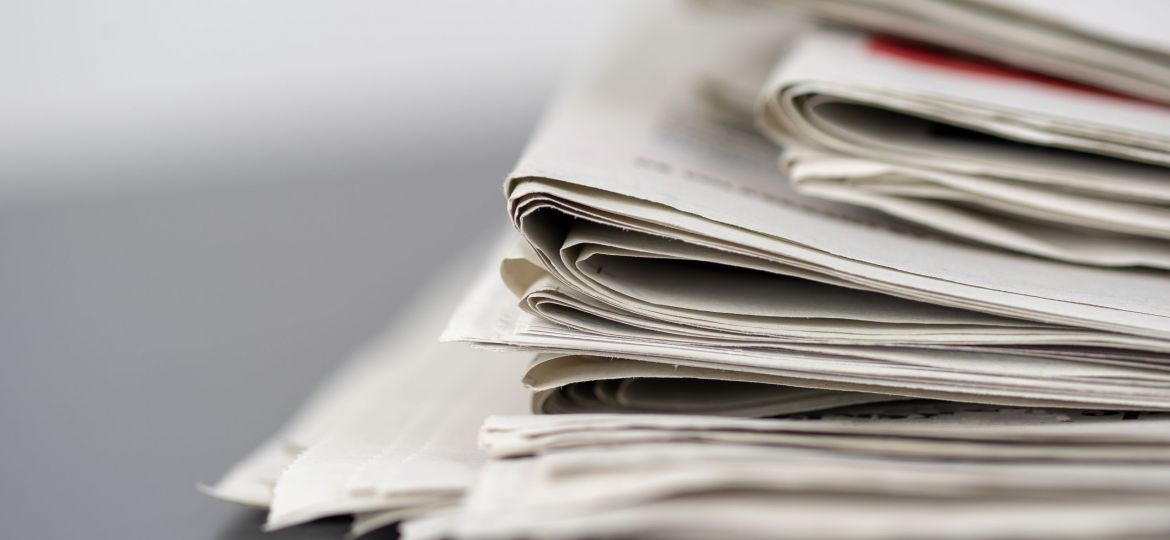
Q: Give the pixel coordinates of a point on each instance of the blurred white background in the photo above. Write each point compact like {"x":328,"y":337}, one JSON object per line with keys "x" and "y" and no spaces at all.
{"x":204,"y":206}
{"x":100,"y":92}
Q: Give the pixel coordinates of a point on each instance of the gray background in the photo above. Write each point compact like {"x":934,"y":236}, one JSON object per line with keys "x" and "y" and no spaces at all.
{"x":204,"y":206}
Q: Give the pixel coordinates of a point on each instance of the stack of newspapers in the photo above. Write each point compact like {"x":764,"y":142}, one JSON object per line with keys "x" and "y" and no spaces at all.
{"x":842,"y":269}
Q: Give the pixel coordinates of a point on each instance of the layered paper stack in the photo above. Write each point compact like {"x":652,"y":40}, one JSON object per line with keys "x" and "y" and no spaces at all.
{"x":798,"y":281}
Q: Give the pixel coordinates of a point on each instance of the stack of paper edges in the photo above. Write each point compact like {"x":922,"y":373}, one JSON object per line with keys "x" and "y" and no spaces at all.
{"x":871,"y":270}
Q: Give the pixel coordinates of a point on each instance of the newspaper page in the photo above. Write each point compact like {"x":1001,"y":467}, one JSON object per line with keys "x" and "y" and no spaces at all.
{"x":639,"y":144}
{"x":393,"y":433}
{"x":974,"y":149}
{"x":1119,"y":46}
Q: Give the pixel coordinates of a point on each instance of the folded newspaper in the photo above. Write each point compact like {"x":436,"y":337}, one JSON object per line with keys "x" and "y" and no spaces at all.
{"x":674,"y":488}
{"x":659,"y":232}
{"x":975,"y":149}
{"x":392,"y":438}
{"x":1122,"y":46}
{"x":756,"y":356}
{"x":391,"y":435}
{"x":957,"y":471}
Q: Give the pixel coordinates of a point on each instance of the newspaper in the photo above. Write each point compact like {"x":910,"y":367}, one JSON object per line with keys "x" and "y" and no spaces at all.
{"x":590,"y":384}
{"x":680,"y":491}
{"x":640,"y":145}
{"x":743,"y":359}
{"x":391,"y":435}
{"x":659,"y":230}
{"x":910,"y":429}
{"x":952,"y":471}
{"x":489,"y":316}
{"x":1119,"y":46}
{"x":973,"y":149}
